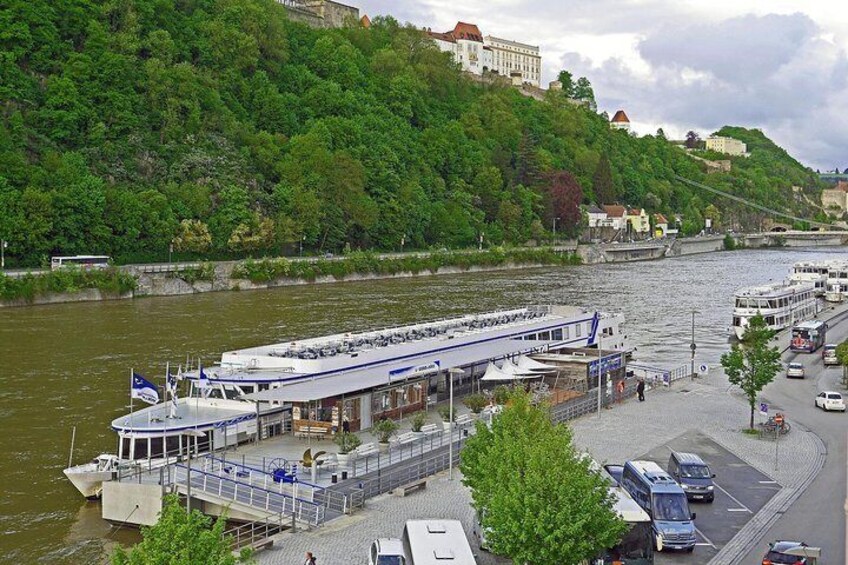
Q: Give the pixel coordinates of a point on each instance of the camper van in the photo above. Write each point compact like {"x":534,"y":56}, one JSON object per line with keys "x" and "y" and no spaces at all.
{"x":436,"y":542}
{"x":665,"y":502}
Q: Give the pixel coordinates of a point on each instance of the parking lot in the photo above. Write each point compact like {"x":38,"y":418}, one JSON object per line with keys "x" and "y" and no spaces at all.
{"x":740,"y":492}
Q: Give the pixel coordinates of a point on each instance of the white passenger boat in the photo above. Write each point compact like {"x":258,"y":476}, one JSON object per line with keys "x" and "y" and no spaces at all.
{"x":317,"y":386}
{"x":811,"y":272}
{"x":837,"y":282}
{"x":88,"y":478}
{"x":781,"y":305}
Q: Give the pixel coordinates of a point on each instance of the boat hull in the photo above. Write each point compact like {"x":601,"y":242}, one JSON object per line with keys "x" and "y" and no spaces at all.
{"x":88,"y":479}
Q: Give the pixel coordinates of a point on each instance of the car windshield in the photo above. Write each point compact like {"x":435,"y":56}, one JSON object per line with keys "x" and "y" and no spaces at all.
{"x":695,"y":472}
{"x":796,"y":366}
{"x":671,"y":507}
{"x":390,"y":560}
{"x":780,"y":558}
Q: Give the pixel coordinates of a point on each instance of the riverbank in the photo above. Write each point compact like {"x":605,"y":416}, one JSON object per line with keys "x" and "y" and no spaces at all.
{"x":134,"y":281}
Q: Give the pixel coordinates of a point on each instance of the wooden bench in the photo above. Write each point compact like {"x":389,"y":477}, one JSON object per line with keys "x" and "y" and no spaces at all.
{"x":463,"y":420}
{"x":366,"y":449}
{"x":311,"y":431}
{"x":431,"y":429}
{"x":405,"y":438}
{"x":411,"y":487}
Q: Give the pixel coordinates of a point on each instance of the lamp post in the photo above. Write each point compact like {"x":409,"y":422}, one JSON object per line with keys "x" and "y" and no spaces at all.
{"x":453,"y":371}
{"x":402,"y":242}
{"x":170,"y":252}
{"x":300,"y":253}
{"x":195,"y":434}
{"x":600,"y":354}
{"x":480,"y":242}
{"x":692,"y":345}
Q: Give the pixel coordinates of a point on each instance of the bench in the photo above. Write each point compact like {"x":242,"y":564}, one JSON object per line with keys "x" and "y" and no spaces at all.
{"x":311,"y":431}
{"x":431,"y":429}
{"x":405,"y":438}
{"x":366,"y":449}
{"x":411,"y":487}
{"x":463,"y":420}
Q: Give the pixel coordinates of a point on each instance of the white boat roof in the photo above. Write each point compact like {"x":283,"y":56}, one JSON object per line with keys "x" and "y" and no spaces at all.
{"x":773,"y":290}
{"x":201,"y":414}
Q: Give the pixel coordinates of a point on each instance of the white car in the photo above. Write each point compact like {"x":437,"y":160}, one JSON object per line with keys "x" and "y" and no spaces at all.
{"x":829,"y":400}
{"x":795,"y":370}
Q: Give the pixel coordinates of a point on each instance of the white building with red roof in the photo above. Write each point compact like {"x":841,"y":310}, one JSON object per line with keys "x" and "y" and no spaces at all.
{"x":620,"y":121}
{"x":465,"y":43}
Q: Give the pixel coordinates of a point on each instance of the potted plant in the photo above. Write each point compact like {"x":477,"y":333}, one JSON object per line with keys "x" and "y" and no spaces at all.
{"x":475,"y":402}
{"x":418,"y":421}
{"x":347,"y":442}
{"x":501,"y":394}
{"x":384,"y":429}
{"x":444,"y":412}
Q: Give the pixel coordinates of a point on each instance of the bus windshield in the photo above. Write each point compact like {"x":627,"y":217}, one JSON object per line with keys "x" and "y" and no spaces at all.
{"x":670,"y":507}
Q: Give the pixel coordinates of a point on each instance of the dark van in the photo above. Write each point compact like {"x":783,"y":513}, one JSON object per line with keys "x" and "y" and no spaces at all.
{"x":691,"y":473}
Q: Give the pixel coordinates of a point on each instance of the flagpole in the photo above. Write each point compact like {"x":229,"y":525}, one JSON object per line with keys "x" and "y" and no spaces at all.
{"x":131,"y":396}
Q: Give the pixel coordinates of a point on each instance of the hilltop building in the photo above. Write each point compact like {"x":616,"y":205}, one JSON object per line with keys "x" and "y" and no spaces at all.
{"x":638,"y":221}
{"x":726,"y":145}
{"x":477,"y":54}
{"x":835,"y":200}
{"x":320,"y":13}
{"x":620,"y":121}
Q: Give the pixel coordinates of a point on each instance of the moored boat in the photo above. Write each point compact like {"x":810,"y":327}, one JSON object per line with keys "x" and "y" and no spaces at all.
{"x":781,"y":305}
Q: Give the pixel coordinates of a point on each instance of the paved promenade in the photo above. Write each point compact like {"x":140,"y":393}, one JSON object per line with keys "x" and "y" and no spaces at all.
{"x":706,"y":405}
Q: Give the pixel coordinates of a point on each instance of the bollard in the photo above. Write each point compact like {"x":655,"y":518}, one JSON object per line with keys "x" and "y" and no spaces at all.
{"x":344,"y":475}
{"x":334,"y":478}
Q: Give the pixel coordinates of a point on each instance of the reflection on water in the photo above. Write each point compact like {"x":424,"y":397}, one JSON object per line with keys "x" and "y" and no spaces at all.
{"x":68,"y":365}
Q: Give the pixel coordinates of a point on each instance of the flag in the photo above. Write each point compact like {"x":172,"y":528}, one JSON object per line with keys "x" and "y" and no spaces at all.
{"x":144,"y":389}
{"x":203,"y":382}
{"x":171,"y":384}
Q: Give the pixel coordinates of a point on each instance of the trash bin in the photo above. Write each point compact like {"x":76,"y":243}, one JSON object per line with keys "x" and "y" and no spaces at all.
{"x":344,"y":475}
{"x":334,"y":479}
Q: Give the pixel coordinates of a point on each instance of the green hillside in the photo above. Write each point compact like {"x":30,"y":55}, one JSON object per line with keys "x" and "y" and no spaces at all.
{"x":124,"y":119}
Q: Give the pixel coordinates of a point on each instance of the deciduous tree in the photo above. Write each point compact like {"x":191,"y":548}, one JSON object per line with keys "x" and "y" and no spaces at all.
{"x":602,"y":182}
{"x":542,"y":503}
{"x":752,"y":364}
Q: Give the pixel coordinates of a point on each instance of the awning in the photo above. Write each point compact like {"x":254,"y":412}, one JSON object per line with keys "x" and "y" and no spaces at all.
{"x":528,"y":364}
{"x":511,"y":368}
{"x":509,"y":372}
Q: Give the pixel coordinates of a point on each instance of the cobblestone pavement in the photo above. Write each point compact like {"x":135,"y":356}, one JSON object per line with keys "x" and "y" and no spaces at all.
{"x":628,"y":430}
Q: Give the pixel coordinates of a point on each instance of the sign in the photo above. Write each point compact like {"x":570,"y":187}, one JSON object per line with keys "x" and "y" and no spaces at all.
{"x":703,"y":368}
{"x":406,"y":372}
{"x":763,"y":408}
{"x":608,"y":363}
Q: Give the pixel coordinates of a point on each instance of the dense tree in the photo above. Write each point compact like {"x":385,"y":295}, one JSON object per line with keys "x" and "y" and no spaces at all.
{"x":566,"y":194}
{"x":693,"y":140}
{"x":583,"y":90}
{"x":602,"y":182}
{"x":567,"y":80}
{"x":539,"y":500}
{"x":752,"y":364}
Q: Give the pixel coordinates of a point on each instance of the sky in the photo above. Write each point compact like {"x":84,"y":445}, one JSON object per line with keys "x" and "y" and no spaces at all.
{"x":776,"y":65}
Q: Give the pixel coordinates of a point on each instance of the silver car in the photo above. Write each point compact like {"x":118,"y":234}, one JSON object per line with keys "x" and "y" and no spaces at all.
{"x":795,"y":370}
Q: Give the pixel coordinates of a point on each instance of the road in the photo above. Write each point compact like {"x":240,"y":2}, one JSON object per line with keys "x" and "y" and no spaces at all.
{"x":818,"y":516}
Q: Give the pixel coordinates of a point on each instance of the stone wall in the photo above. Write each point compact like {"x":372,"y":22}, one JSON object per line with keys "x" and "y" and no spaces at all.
{"x":321,"y":13}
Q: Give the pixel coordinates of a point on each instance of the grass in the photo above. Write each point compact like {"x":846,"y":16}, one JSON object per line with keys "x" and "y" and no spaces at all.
{"x":750,"y":432}
{"x":267,"y":270}
{"x":67,"y":280}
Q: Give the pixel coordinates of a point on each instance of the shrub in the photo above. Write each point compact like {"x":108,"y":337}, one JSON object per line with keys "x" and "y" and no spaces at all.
{"x":418,"y":421}
{"x":66,"y":280}
{"x":729,"y":242}
{"x":385,"y":429}
{"x":347,"y":442}
{"x":501,"y":394}
{"x":475,"y":402}
{"x":444,"y":412}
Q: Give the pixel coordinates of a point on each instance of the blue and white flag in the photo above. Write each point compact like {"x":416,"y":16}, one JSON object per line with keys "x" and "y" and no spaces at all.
{"x":171,"y":384}
{"x":144,"y":389}
{"x":203,"y":382}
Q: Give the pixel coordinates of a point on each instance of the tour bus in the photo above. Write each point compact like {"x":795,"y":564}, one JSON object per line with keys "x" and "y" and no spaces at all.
{"x":436,"y":542}
{"x":665,"y":502}
{"x":636,"y":545}
{"x":808,"y":336}
{"x":81,"y":261}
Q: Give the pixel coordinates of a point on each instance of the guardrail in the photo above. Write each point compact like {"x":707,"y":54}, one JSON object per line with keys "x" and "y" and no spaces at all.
{"x":255,"y":533}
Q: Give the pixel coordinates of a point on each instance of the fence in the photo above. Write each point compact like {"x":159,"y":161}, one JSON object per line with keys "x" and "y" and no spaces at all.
{"x":254,"y":533}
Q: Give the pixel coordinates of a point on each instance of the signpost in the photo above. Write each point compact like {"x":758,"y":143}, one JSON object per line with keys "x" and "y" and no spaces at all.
{"x":763,"y":408}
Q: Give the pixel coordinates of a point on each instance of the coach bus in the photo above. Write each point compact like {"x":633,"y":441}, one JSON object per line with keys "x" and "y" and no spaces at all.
{"x":81,"y":261}
{"x":808,"y":336}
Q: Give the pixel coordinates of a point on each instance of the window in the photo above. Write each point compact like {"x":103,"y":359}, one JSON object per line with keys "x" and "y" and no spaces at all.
{"x":557,"y":334}
{"x":579,"y":331}
{"x":565,"y":332}
{"x":545,"y":336}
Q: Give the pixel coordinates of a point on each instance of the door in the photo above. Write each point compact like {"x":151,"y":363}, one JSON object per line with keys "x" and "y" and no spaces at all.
{"x":365,"y":411}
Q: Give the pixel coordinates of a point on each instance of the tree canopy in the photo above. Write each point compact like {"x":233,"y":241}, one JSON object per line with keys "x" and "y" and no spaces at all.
{"x":121,"y":120}
{"x":538,"y":498}
{"x":752,"y":364}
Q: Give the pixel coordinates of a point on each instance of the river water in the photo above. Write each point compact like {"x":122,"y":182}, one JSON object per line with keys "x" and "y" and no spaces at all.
{"x":68,"y":365}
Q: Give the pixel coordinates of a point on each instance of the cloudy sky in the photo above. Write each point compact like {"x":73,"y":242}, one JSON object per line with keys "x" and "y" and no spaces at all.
{"x":777,"y":65}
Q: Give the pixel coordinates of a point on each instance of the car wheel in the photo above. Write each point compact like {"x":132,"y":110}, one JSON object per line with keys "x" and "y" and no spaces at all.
{"x":690,"y":549}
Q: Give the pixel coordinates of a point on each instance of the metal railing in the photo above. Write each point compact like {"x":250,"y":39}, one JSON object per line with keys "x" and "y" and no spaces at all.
{"x":253,"y":533}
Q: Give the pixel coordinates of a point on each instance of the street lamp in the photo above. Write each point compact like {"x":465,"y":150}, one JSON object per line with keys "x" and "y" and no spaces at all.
{"x":480,"y":242}
{"x":3,"y":245}
{"x":402,"y":241}
{"x":303,"y":237}
{"x":170,"y":252}
{"x":453,"y":371}
{"x":600,"y":359}
{"x":194,"y":434}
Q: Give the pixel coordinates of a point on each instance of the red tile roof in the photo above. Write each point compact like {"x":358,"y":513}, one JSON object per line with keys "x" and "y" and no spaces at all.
{"x":660,"y":219}
{"x":462,"y":30}
{"x":365,"y":21}
{"x":614,"y":210}
{"x":634,"y":212}
{"x":620,"y":117}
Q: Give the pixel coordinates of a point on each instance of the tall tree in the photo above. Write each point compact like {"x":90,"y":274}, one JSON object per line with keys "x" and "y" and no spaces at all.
{"x":566,"y":195}
{"x":541,"y":502}
{"x":602,"y":182}
{"x":693,"y":140}
{"x":567,"y":80}
{"x":583,"y":90}
{"x":752,"y":364}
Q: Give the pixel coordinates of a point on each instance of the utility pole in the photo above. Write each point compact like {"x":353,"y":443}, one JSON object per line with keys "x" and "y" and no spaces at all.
{"x":600,"y":354}
{"x":3,"y":245}
{"x":451,"y":373}
{"x":692,"y":346}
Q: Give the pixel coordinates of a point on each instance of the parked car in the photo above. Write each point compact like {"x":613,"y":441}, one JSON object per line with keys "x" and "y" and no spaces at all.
{"x":795,"y":370}
{"x":784,"y":552}
{"x":387,"y":551}
{"x":829,"y":355}
{"x":691,"y":473}
{"x":829,"y":400}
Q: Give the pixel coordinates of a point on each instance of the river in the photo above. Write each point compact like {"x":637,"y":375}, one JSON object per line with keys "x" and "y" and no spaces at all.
{"x":68,"y":365}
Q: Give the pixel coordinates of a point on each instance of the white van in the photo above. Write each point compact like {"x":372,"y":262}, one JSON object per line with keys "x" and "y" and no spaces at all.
{"x":436,"y":542}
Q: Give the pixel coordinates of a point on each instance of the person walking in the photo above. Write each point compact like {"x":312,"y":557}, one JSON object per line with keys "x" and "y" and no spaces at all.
{"x":640,"y":390}
{"x":310,"y":559}
{"x":620,"y":390}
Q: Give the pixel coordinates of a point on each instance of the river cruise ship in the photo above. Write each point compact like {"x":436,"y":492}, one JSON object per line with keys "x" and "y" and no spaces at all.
{"x":342,"y":381}
{"x":782,"y":305}
{"x":837,"y":282}
{"x":812,"y":272}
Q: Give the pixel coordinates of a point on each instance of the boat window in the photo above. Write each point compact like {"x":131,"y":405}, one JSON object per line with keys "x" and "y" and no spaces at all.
{"x":565,"y":332}
{"x":215,"y":393}
{"x":545,"y":336}
{"x":231,"y":393}
{"x":579,"y":330}
{"x":172,"y":444}
{"x":557,"y":334}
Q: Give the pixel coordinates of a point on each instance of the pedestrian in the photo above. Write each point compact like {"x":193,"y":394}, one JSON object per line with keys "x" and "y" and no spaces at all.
{"x":609,"y":392}
{"x":640,"y":390}
{"x":310,"y":559}
{"x":346,"y":425}
{"x":620,"y":389}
